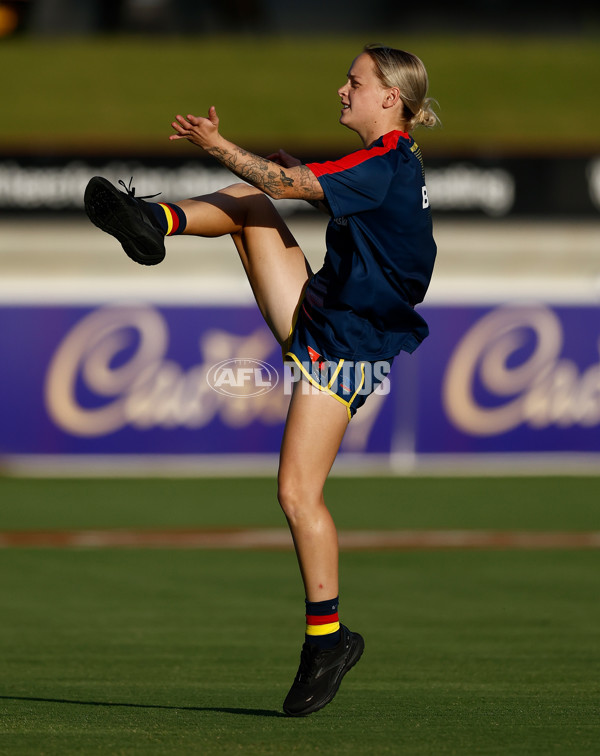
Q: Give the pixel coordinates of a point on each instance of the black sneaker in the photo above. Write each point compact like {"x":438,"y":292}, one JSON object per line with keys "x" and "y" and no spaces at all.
{"x":127,"y":218}
{"x":321,"y":672}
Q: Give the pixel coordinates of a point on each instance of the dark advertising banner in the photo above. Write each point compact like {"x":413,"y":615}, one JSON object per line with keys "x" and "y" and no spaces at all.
{"x":498,"y":186}
{"x":200,"y":381}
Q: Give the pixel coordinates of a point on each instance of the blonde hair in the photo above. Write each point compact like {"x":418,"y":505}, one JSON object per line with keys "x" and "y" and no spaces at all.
{"x":398,"y":68}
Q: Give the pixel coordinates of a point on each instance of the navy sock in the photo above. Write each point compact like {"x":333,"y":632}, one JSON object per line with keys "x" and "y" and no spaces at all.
{"x":322,"y":623}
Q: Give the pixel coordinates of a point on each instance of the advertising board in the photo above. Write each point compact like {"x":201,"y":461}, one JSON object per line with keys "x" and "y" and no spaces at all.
{"x":202,"y":381}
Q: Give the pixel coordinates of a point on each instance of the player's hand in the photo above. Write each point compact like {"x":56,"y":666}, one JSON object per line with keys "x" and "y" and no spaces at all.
{"x":203,"y":132}
{"x":282,"y":158}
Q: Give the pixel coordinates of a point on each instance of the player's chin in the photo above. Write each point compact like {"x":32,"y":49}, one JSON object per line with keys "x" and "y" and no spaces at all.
{"x":344,"y":122}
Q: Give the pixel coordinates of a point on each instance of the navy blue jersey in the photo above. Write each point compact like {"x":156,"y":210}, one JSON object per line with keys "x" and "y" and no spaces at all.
{"x":380,"y":252}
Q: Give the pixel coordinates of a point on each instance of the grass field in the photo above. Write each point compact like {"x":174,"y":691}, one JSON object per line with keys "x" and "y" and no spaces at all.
{"x":518,"y":93}
{"x":181,"y":651}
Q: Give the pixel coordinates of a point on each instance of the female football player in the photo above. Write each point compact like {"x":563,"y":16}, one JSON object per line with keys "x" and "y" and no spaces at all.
{"x":337,"y":326}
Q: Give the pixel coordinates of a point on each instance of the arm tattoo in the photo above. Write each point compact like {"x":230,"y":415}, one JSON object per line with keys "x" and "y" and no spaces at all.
{"x":259,"y":172}
{"x":286,"y":180}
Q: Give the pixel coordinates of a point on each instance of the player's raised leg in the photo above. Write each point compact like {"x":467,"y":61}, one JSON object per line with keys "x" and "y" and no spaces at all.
{"x":274,"y":263}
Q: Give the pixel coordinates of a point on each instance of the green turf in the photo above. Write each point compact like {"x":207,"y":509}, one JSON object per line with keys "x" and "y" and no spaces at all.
{"x":118,"y":93}
{"x":537,"y":503}
{"x":178,"y":652}
{"x":161,"y":651}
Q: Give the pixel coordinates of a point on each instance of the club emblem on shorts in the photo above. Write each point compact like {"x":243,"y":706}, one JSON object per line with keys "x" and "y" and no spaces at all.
{"x":319,"y":366}
{"x":314,"y":356}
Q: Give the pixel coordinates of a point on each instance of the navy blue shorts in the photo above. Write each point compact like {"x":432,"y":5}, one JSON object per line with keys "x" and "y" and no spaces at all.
{"x":350,"y":382}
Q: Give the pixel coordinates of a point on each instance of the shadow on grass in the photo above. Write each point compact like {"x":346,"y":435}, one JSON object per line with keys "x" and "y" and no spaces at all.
{"x":221,"y":709}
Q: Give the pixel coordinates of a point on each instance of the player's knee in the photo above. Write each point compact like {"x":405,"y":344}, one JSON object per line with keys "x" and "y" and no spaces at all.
{"x":296,"y":500}
{"x":285,"y":495}
{"x":248,"y":196}
{"x":241,"y":189}
{"x":252,"y":205}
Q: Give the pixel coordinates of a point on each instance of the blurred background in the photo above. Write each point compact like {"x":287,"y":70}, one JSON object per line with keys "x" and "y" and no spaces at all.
{"x":189,"y":17}
{"x":106,"y":364}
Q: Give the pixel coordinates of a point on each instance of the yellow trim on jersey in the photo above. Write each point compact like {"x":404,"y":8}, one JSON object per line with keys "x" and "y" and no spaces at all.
{"x":169,"y":215}
{"x":332,"y":627}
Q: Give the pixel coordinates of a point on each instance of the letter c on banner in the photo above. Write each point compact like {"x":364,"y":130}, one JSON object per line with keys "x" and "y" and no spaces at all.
{"x":482,"y":359}
{"x":88,"y":356}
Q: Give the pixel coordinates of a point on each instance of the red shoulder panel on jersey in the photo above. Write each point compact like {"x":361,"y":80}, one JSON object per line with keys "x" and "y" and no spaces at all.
{"x":390,"y":142}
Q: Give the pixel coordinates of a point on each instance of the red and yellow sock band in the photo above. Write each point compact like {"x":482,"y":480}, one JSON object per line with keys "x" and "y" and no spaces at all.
{"x":322,"y":625}
{"x":173,"y":218}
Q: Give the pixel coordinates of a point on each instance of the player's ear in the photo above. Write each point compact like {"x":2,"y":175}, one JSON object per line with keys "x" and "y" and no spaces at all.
{"x":391,"y":97}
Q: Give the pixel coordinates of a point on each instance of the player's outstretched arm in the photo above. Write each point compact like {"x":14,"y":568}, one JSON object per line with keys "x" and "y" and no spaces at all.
{"x":294,"y":181}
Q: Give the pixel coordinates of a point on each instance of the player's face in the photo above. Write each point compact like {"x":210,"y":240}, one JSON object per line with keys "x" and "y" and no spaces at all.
{"x":362,"y":97}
